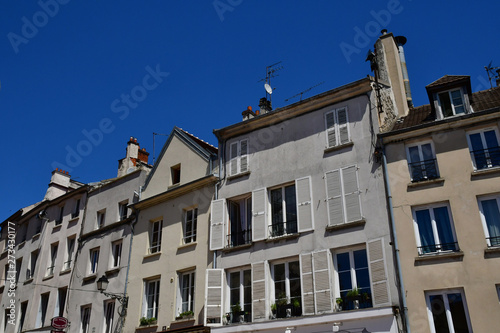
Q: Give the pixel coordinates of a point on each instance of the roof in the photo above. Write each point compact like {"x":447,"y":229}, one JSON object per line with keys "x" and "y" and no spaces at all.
{"x":447,"y":79}
{"x":202,"y":143}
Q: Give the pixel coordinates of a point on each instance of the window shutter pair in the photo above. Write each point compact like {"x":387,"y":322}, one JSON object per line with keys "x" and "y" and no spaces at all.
{"x":342,"y":192}
{"x":378,"y":272}
{"x":316,"y":282}
{"x":337,"y":127}
{"x":238,"y":152}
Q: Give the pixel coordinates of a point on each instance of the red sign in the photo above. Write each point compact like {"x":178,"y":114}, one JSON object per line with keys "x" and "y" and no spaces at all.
{"x":59,"y":323}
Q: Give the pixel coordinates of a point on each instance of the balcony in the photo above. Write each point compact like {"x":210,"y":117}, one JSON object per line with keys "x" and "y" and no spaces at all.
{"x":493,"y":241}
{"x":424,"y":170}
{"x":67,"y":265}
{"x":486,"y":158}
{"x":282,"y":229}
{"x":239,"y":238}
{"x":50,"y":271}
{"x":438,"y":248}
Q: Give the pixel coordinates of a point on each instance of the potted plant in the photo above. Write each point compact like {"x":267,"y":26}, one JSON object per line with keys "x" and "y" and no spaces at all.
{"x":237,"y":314}
{"x":147,"y":321}
{"x":354,"y":296}
{"x":274,"y":309}
{"x":297,"y":308}
{"x":281,"y":305}
{"x":339,"y":301}
{"x":185,"y":315}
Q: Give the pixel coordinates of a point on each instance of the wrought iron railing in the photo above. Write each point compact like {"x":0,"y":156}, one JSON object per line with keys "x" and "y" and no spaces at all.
{"x":67,"y":265}
{"x":433,"y":248}
{"x":283,"y":228}
{"x":50,"y":271}
{"x":424,"y":170}
{"x":493,"y":241}
{"x":486,"y":158}
{"x":239,"y":238}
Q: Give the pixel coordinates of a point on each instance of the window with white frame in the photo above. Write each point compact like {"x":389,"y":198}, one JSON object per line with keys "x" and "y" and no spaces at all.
{"x":353,"y":274}
{"x":151,"y":299}
{"x":42,"y":310}
{"x":155,"y":236}
{"x":238,"y":159}
{"x":61,"y":302}
{"x":451,"y":103}
{"x":101,"y":217}
{"x":70,"y":248}
{"x":337,"y":127}
{"x":76,"y":209}
{"x":240,"y":221}
{"x":434,"y":229}
{"x":61,"y":215}
{"x":109,"y":309}
{"x":52,"y":260}
{"x":190,"y":225}
{"x":116,"y":253}
{"x":489,"y":208}
{"x":447,"y":311}
{"x":342,"y":191}
{"x":122,"y":210}
{"x":484,"y":148}
{"x":286,"y":285}
{"x":30,"y":271}
{"x":422,"y":161}
{"x":85,"y":312}
{"x":186,"y":292}
{"x":240,"y":294}
{"x":283,"y":204}
{"x":93,"y":260}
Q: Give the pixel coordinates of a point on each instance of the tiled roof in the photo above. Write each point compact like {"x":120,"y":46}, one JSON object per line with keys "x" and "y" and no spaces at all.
{"x":480,"y":101}
{"x":202,"y":143}
{"x":447,"y":79}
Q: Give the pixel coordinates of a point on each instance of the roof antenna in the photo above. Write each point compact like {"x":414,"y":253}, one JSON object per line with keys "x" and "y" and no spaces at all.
{"x":154,"y":144}
{"x":270,"y":73}
{"x":491,"y":73}
{"x":304,"y":91}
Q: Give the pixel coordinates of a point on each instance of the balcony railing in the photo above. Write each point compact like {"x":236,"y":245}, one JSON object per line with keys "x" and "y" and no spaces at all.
{"x":424,"y":170}
{"x":50,"y":271}
{"x":283,"y":228}
{"x":67,"y":265}
{"x":433,"y":248}
{"x":486,"y":158}
{"x":493,"y":241}
{"x":29,"y":274}
{"x":239,"y":238}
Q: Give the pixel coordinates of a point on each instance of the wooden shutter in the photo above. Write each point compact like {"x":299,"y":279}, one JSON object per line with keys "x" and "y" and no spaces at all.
{"x":304,"y":204}
{"x":307,"y":284}
{"x":334,"y":197}
{"x":217,"y":222}
{"x":243,"y":155}
{"x":213,"y":296}
{"x":259,"y":291}
{"x":343,"y":125}
{"x":378,"y":272}
{"x":322,"y":282}
{"x":330,"y":129}
{"x":351,"y":194}
{"x":259,"y":222}
{"x":233,"y":159}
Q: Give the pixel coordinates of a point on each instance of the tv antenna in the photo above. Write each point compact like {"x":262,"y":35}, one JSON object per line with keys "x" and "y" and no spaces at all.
{"x":304,"y":91}
{"x":270,"y":73}
{"x":491,"y":74}
{"x":154,"y":134}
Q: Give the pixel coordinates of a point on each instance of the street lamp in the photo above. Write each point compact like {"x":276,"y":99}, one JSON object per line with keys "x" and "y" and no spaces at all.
{"x":102,"y":284}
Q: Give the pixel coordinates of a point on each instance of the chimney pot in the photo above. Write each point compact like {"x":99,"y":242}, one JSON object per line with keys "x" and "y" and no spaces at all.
{"x":383,"y":31}
{"x":249,"y":108}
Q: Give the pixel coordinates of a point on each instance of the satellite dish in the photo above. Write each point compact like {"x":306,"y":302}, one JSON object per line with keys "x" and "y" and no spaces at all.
{"x":268,"y":88}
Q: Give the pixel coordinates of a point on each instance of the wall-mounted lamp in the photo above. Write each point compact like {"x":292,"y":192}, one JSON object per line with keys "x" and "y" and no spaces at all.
{"x":102,"y":285}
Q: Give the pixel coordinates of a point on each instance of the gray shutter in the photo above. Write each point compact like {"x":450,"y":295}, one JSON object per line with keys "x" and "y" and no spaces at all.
{"x":378,"y":272}
{"x":304,"y":204}
{"x":343,"y":125}
{"x":334,"y":197}
{"x":351,"y":194}
{"x":307,"y":283}
{"x":243,"y":155}
{"x":213,"y":296}
{"x":259,"y":291}
{"x":217,"y":219}
{"x":233,"y":159}
{"x":259,"y":222}
{"x":330,"y":129}
{"x":322,"y":282}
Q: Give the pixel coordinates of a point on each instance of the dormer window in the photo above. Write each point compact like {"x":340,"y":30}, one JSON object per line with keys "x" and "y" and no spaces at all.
{"x":451,"y":103}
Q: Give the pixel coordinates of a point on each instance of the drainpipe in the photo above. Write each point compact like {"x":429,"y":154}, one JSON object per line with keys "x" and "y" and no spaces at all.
{"x":406,"y":327}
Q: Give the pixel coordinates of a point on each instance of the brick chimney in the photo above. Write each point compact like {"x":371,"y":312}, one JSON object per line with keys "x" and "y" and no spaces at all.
{"x":134,"y":159}
{"x":59,"y":184}
{"x":248,"y":113}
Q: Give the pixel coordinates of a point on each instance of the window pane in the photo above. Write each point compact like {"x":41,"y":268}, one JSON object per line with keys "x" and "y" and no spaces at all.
{"x":492,"y":216}
{"x":444,"y":228}
{"x":444,"y":98}
{"x":344,"y":272}
{"x":427,"y":241}
{"x":414,"y":154}
{"x":294,"y":278}
{"x":276,"y":206}
{"x":458,"y":313}
{"x":493,"y":150}
{"x":427,"y":151}
{"x":439,"y":313}
{"x":247,"y":290}
{"x":279,"y":281}
{"x":291,"y":209}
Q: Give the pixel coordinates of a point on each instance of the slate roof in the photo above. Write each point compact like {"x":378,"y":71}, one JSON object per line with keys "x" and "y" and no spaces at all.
{"x":447,"y":79}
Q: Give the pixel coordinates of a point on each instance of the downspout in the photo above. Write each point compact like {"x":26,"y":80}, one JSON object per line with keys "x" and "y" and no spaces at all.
{"x":406,"y":327}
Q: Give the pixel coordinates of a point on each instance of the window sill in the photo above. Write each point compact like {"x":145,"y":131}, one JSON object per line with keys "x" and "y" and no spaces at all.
{"x":183,"y":246}
{"x":151,"y":255}
{"x":237,"y":247}
{"x":139,"y":328}
{"x":48,"y":277}
{"x":348,"y":225}
{"x":445,"y":256}
{"x":173,"y":186}
{"x":20,"y":245}
{"x":239,"y":175}
{"x":339,"y":147}
{"x":484,"y":172}
{"x":66,"y":271}
{"x":430,"y":182}
{"x":492,"y":252}
{"x":35,"y":236}
{"x":282,"y":237}
{"x":28,"y":281}
{"x":90,"y":277}
{"x":5,"y":252}
{"x":73,"y":219}
{"x":183,"y":319}
{"x":57,"y":227}
{"x":112,"y":271}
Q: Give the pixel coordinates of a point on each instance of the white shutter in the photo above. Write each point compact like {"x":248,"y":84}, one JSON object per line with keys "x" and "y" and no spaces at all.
{"x":307,"y":284}
{"x":322,"y":281}
{"x":304,"y":204}
{"x":213,"y":296}
{"x":259,"y":291}
{"x":343,"y":125}
{"x":243,"y":155}
{"x":351,"y":194}
{"x":233,"y":159}
{"x":378,"y":272}
{"x":259,"y":222}
{"x":330,"y":129}
{"x":334,"y":197}
{"x":217,"y":222}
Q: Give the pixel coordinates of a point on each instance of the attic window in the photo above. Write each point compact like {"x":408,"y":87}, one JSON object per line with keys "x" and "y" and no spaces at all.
{"x":175,"y":172}
{"x":451,"y":103}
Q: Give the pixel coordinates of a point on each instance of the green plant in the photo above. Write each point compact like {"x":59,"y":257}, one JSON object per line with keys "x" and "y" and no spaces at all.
{"x":339,"y":300}
{"x":296,"y":303}
{"x":353,"y":293}
{"x":236,"y":307}
{"x":366,"y":296}
{"x":274,"y":307}
{"x":282,"y":299}
{"x":185,"y":314}
{"x":146,"y":321}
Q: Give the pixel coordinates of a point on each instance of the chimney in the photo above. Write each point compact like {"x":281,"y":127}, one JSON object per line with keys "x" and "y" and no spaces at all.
{"x":59,"y":184}
{"x":135,"y":156}
{"x":400,"y":41}
{"x":248,"y":113}
{"x":265,"y":105}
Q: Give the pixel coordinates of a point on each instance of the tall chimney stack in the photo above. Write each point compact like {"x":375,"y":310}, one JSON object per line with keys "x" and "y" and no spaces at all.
{"x":400,"y":41}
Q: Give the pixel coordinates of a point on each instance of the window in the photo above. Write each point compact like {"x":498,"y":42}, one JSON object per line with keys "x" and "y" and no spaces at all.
{"x":422,"y":162}
{"x":109,"y":309}
{"x":175,"y":173}
{"x":240,"y":294}
{"x":451,"y":103}
{"x":19,"y":263}
{"x":70,"y":248}
{"x":447,"y":312}
{"x":30,"y":271}
{"x":61,"y":302}
{"x":116,"y":255}
{"x":155,"y":236}
{"x":286,"y":282}
{"x":186,"y":292}
{"x":52,"y":260}
{"x":6,"y":319}
{"x":337,"y":127}
{"x":352,"y":272}
{"x":60,"y":217}
{"x":101,"y":216}
{"x":122,"y":210}
{"x":190,"y":223}
{"x":240,"y":221}
{"x":94,"y":260}
{"x":490,"y":217}
{"x":42,"y":309}
{"x":238,"y":160}
{"x":484,"y":148}
{"x":85,"y":318}
{"x":283,"y":211}
{"x":342,"y":192}
{"x":151,"y":299}
{"x":24,"y":308}
{"x":76,"y":209}
{"x":434,"y":230}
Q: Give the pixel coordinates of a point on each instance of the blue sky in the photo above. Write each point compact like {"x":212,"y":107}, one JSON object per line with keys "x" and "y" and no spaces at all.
{"x":68,"y":66}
